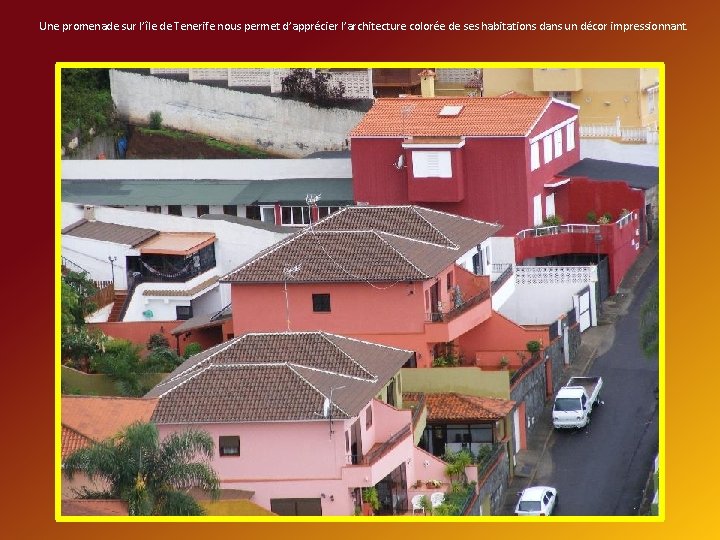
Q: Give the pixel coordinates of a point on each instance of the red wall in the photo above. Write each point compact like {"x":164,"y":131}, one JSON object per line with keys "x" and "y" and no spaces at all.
{"x":497,"y":337}
{"x":138,"y":332}
{"x":575,"y":199}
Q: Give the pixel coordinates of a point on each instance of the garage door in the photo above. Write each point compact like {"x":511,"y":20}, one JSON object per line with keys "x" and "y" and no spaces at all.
{"x":296,"y":507}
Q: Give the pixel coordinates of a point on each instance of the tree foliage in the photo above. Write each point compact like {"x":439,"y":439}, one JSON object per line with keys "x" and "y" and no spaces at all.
{"x":317,"y":89}
{"x":152,"y":475}
{"x":650,"y":323}
{"x":78,"y":345}
{"x":86,"y":101}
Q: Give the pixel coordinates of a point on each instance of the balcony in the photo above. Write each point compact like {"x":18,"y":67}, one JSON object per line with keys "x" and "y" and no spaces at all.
{"x":449,"y":322}
{"x":382,"y":458}
{"x":554,"y":80}
{"x":576,"y":238}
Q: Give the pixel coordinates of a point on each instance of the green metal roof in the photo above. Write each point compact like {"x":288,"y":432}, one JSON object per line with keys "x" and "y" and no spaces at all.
{"x":211,"y":192}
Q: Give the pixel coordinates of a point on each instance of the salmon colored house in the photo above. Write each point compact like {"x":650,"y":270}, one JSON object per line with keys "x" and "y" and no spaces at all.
{"x":402,"y":276}
{"x":304,"y":420}
{"x":497,"y":159}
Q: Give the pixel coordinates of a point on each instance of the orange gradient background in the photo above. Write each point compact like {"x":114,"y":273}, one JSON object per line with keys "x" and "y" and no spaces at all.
{"x":29,"y":264}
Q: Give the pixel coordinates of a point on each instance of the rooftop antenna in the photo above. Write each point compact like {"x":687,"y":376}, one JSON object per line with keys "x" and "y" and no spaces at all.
{"x":327,"y":407}
{"x":289,"y":273}
{"x":311,"y":201}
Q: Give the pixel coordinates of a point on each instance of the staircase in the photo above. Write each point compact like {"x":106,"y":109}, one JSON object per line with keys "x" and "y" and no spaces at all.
{"x":120,"y":297}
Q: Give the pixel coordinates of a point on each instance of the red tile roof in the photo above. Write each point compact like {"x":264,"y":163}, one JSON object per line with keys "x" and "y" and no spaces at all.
{"x":99,"y":418}
{"x":512,"y":115}
{"x":71,"y":441}
{"x":454,"y":407}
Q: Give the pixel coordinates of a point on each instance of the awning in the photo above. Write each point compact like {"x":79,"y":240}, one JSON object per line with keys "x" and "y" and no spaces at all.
{"x":176,"y":243}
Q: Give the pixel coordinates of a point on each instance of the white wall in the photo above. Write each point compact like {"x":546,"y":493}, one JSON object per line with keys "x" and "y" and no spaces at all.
{"x":163,"y":307}
{"x":502,"y":249}
{"x":92,"y":255}
{"x":548,"y":296}
{"x":284,"y":126}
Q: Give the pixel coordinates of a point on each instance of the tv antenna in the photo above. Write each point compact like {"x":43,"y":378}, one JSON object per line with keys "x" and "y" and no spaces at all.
{"x":327,"y":407}
{"x":289,"y":273}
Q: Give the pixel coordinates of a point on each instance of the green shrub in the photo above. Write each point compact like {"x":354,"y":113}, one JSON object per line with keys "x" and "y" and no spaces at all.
{"x":591,"y":217}
{"x":156,"y":341}
{"x":155,"y":120}
{"x":553,"y":220}
{"x":191,"y":349}
{"x":533,"y":346}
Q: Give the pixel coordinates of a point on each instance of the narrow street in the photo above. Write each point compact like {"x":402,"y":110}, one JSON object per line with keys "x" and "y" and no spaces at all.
{"x":602,"y":469}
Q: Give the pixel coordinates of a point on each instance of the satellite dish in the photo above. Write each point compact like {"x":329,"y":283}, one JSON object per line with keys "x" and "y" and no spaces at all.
{"x":326,"y":408}
{"x":400,"y":163}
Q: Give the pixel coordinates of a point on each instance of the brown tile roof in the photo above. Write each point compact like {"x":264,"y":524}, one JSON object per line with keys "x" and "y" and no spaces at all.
{"x":368,"y":243}
{"x":513,"y":115}
{"x":453,"y":407}
{"x":99,"y":418}
{"x":94,"y":507}
{"x":109,"y":232}
{"x":276,"y":377}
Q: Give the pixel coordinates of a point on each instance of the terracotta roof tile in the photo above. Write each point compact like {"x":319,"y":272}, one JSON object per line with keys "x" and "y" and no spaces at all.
{"x":367,"y":243}
{"x":513,"y":115}
{"x":72,"y":441}
{"x":276,"y":377}
{"x":453,"y":407}
{"x":99,"y":418}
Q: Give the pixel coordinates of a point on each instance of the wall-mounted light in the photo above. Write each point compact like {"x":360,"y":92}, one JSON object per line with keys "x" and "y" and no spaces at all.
{"x":332,"y":498}
{"x":426,"y":463}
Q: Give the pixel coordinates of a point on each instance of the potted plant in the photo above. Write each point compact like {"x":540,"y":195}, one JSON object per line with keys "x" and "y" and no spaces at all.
{"x":504,"y":362}
{"x":533,"y":346}
{"x":371,"y":501}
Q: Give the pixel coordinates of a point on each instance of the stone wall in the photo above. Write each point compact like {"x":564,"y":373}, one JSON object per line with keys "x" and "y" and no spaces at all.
{"x":277,"y":125}
{"x":494,"y":483}
{"x":530,"y":388}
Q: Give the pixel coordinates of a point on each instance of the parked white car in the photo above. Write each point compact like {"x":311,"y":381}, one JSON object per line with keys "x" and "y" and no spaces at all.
{"x":537,"y":501}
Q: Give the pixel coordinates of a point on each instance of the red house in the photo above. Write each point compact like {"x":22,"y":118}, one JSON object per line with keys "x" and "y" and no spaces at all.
{"x":498,"y":159}
{"x":484,"y":158}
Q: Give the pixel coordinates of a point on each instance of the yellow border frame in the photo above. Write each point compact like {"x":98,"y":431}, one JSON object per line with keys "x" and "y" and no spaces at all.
{"x":660,"y":66}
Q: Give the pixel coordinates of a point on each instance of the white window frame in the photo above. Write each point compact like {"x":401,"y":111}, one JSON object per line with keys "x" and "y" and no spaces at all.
{"x":432,"y":164}
{"x":534,"y":156}
{"x":550,"y":205}
{"x":537,"y":210}
{"x":570,"y":136}
{"x":304,"y":212}
{"x":547,"y":149}
{"x":558,"y":138}
{"x":264,"y":210}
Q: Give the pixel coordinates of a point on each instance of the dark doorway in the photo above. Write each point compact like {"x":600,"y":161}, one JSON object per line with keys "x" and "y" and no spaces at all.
{"x":296,"y":507}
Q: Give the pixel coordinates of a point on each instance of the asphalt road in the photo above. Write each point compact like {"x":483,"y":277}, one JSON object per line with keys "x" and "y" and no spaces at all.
{"x":602,"y":469}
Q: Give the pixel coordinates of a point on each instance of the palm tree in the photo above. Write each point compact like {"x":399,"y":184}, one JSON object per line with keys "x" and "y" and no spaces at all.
{"x":151,"y":475}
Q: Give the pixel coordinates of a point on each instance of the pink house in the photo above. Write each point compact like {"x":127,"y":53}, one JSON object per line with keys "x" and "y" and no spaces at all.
{"x":497,"y":159}
{"x":304,"y":420}
{"x":404,"y":276}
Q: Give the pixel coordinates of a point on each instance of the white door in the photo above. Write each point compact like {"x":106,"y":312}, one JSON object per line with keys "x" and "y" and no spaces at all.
{"x":516,"y":425}
{"x":582,"y":309}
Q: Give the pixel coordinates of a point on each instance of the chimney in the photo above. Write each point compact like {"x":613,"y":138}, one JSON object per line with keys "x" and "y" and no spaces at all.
{"x":427,"y":83}
{"x":89,"y":212}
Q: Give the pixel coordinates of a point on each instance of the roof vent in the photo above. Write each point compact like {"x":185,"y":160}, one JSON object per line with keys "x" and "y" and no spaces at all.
{"x":450,"y":110}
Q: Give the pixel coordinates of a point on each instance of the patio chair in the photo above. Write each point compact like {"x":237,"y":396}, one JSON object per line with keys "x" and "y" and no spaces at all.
{"x":437,"y":498}
{"x":417,"y":504}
